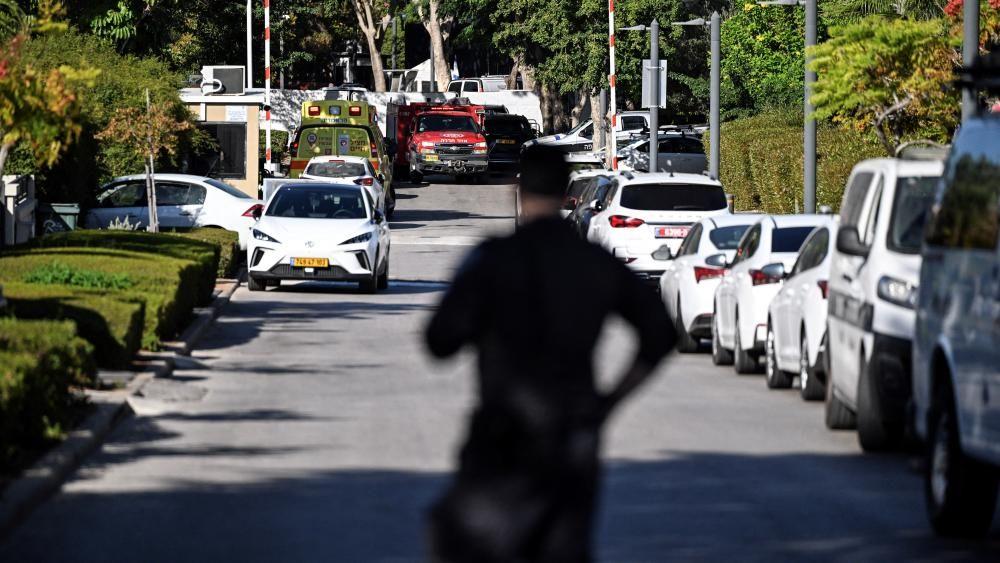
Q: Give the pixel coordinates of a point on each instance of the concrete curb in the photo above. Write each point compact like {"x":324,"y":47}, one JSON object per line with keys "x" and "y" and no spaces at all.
{"x":47,"y":475}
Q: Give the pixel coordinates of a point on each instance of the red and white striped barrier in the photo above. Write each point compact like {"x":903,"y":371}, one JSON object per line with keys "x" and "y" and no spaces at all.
{"x":267,"y":83}
{"x":612,"y":143}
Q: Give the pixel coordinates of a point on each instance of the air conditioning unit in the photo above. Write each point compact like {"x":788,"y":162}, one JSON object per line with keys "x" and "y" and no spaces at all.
{"x":223,"y":80}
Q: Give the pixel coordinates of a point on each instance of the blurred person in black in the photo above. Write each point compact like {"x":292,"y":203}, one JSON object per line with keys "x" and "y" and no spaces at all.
{"x":533,"y":304}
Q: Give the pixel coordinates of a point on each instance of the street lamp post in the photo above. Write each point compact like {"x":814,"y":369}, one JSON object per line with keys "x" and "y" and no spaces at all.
{"x":715,"y":80}
{"x":970,"y":48}
{"x":654,"y":90}
{"x":809,"y":142}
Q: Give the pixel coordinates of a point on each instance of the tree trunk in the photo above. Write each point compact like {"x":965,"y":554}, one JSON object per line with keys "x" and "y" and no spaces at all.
{"x":514,"y":71}
{"x":576,"y":114}
{"x":595,"y":115}
{"x":441,"y":68}
{"x":370,"y":28}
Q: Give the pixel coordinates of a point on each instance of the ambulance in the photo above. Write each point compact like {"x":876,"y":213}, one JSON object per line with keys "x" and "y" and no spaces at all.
{"x":340,"y":128}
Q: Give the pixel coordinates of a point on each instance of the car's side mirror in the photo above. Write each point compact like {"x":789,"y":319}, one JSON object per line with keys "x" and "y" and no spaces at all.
{"x":596,"y":205}
{"x":849,"y":242}
{"x":717,"y":260}
{"x":774,"y":271}
{"x":381,"y":178}
{"x":378,"y":218}
{"x":663,"y":253}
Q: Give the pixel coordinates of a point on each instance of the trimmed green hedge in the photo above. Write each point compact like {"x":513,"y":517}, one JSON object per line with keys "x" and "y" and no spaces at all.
{"x":39,"y":362}
{"x":110,"y":323}
{"x":230,"y":256}
{"x":762,"y":161}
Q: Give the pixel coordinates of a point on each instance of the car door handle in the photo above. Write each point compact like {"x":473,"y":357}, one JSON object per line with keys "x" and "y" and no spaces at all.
{"x":847,"y":278}
{"x":186,"y":213}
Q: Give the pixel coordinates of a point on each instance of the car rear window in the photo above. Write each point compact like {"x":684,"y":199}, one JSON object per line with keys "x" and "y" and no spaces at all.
{"x":336,"y":169}
{"x":914,"y":196}
{"x":789,"y":239}
{"x":727,"y":238}
{"x":673,"y":197}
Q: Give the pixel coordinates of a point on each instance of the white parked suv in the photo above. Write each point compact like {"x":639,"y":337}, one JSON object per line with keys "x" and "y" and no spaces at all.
{"x":796,"y":320}
{"x":873,"y":289}
{"x":644,"y":217}
{"x":956,"y":346}
{"x":688,"y":283}
{"x":765,"y":253}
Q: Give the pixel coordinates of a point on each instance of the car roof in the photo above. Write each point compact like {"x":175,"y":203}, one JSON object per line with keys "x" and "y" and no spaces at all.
{"x":162,"y":176}
{"x":903,"y":167}
{"x":731,"y":220}
{"x":333,"y":158}
{"x":590,"y":173}
{"x":666,"y":178}
{"x":800,"y":220}
{"x":505,"y":117}
{"x":305,"y":184}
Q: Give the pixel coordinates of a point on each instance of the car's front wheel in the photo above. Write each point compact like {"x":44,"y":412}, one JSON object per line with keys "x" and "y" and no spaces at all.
{"x":876,"y":432}
{"x":685,"y":343}
{"x":383,"y":279}
{"x":810,"y":387}
{"x":960,"y":492}
{"x":720,"y":356}
{"x":776,"y":379}
{"x":254,"y":284}
{"x":744,"y":362}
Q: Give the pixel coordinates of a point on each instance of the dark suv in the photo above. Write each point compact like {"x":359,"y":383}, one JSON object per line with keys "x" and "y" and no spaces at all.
{"x":505,"y":133}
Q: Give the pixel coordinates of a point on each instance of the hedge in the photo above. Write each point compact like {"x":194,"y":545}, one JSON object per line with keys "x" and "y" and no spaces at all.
{"x":111,"y":324}
{"x":39,"y":361}
{"x":189,"y":246}
{"x":230,"y":256}
{"x":762,"y":161}
{"x":169,"y":287}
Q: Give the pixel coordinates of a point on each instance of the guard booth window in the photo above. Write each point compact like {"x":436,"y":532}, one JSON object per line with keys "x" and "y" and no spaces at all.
{"x":229,"y":158}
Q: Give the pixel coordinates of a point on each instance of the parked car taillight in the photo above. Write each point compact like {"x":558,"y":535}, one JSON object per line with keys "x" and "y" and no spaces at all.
{"x":824,"y":288}
{"x":367,"y":181}
{"x":253,"y":208}
{"x":624,"y":222}
{"x":758,"y":277}
{"x":706,"y":273}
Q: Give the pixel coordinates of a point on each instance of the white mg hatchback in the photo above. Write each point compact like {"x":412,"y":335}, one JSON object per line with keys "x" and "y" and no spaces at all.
{"x":322,"y":232}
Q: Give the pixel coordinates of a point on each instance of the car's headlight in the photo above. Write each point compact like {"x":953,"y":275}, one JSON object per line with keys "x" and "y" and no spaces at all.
{"x":897,"y":292}
{"x":427,"y":144}
{"x":363,"y":237}
{"x":260,"y":235}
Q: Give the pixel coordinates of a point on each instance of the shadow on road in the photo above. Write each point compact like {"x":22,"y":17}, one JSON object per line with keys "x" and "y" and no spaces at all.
{"x":687,"y":506}
{"x":429,"y":215}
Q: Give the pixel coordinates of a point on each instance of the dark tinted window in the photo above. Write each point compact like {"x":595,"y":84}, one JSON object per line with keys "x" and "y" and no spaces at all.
{"x":633,"y":123}
{"x":579,"y":187}
{"x":445,"y":123}
{"x":691,"y":241}
{"x":507,"y":126}
{"x":789,"y":239}
{"x":914,"y":196}
{"x":968,"y":208}
{"x":814,"y":251}
{"x":318,"y":203}
{"x":854,"y":198}
{"x":130,"y":194}
{"x":727,"y":238}
{"x":680,"y":145}
{"x":748,"y":244}
{"x":673,"y":197}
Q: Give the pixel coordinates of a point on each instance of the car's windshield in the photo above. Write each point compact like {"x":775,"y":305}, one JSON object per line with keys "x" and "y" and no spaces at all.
{"x":578,"y":128}
{"x":507,"y":127}
{"x":789,"y":239}
{"x":727,"y":238}
{"x":446,"y":123}
{"x":227,"y":188}
{"x":673,"y":197}
{"x":317,"y":203}
{"x":914,"y":196}
{"x":336,"y":169}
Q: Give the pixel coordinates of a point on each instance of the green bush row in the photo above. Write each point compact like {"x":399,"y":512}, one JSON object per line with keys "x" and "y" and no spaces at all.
{"x":39,"y":362}
{"x":228,"y":242}
{"x":762,"y":161}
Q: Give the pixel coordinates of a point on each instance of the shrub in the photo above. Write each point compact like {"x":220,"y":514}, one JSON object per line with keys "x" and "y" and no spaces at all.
{"x":59,"y":273}
{"x":56,"y":342}
{"x":113,"y":325}
{"x":230,"y":256}
{"x":762,"y":161}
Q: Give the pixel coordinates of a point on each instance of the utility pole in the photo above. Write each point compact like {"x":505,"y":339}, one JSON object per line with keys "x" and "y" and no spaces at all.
{"x":809,"y":148}
{"x":612,"y":79}
{"x":714,"y":138}
{"x":249,"y":77}
{"x":970,"y":48}
{"x":654,"y":96}
{"x":267,"y":86}
{"x":395,"y":30}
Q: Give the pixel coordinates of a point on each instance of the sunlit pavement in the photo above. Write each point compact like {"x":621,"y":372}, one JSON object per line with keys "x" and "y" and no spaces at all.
{"x":326,"y":430}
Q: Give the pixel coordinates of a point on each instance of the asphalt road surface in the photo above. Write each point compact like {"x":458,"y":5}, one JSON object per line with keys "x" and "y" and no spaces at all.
{"x":310,"y":425}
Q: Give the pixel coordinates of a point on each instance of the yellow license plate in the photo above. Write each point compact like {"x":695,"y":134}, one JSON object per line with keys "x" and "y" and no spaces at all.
{"x":431,"y":158}
{"x":507,"y":141}
{"x":310,"y":262}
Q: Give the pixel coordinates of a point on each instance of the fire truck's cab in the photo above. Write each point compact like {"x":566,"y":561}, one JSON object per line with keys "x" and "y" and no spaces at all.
{"x":442,"y":139}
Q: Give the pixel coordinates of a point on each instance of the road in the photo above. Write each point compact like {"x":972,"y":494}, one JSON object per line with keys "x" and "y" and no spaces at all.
{"x":310,"y":425}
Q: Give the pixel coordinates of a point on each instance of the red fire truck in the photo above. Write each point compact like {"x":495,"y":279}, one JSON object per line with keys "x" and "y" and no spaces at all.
{"x":441,"y":138}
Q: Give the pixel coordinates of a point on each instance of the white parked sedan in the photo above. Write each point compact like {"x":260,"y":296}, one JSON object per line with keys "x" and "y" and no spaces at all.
{"x":182,"y":202}
{"x":796,"y":322}
{"x":644,"y":217}
{"x":688,"y":284}
{"x":323,"y":232}
{"x":354,"y":169}
{"x":766,"y":252}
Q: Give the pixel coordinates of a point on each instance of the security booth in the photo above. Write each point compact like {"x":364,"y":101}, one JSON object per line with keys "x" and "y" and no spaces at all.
{"x":233,"y":121}
{"x":17,"y":209}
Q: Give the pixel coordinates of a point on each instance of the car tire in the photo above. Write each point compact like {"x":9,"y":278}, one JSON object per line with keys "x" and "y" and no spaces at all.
{"x":837,"y":415}
{"x":382,"y":282}
{"x":685,"y":343}
{"x":273,"y":283}
{"x":875,"y":433}
{"x":370,"y":284}
{"x":400,"y":172}
{"x":775,"y":377}
{"x":416,"y":177}
{"x":743,"y":362}
{"x":254,"y":284}
{"x":960,"y":492}
{"x":810,"y":387}
{"x":720,"y":356}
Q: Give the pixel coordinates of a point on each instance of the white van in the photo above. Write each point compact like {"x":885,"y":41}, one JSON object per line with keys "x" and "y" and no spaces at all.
{"x":464,"y":86}
{"x":873,"y":280}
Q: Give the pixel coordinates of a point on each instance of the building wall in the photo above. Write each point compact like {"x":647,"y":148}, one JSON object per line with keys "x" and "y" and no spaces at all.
{"x":224,"y":113}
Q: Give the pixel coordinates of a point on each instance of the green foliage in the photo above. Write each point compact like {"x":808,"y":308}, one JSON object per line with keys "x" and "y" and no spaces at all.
{"x":56,"y":342}
{"x":228,"y":242}
{"x":109,"y":322}
{"x":849,"y":11}
{"x":763,"y":57}
{"x":890,"y":77}
{"x":11,"y":19}
{"x":59,"y":273}
{"x":762,"y":160}
{"x":279,"y":144}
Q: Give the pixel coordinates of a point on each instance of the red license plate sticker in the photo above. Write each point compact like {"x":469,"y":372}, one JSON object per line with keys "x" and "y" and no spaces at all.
{"x":672,"y":232}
